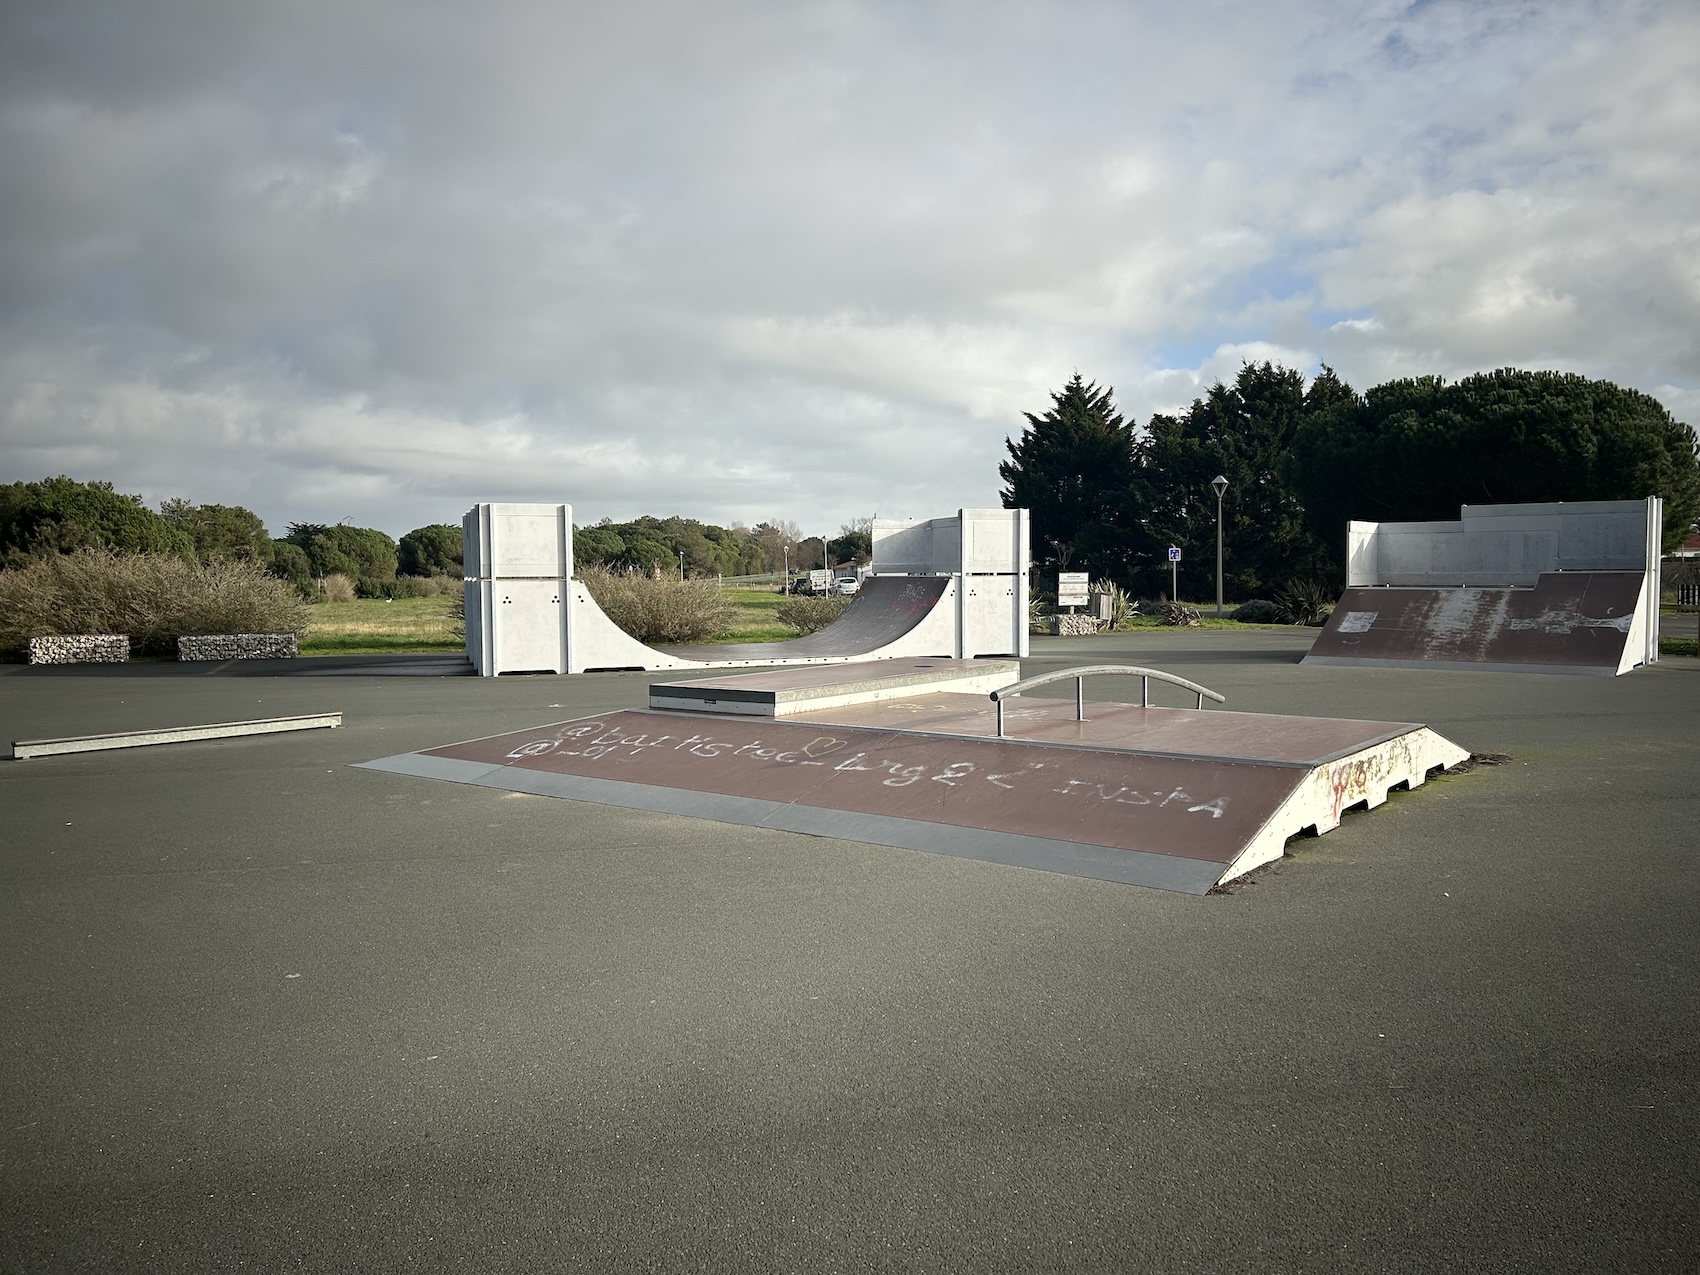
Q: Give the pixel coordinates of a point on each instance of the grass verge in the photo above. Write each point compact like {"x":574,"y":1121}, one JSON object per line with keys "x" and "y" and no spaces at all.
{"x":374,"y":626}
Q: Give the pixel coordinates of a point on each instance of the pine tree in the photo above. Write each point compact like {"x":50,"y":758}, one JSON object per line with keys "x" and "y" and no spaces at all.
{"x":1073,"y":469}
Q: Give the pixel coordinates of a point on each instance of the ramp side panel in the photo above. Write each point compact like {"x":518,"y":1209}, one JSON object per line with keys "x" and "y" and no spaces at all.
{"x":1331,"y":789}
{"x":596,"y":642}
{"x":1191,"y":809}
{"x":1579,"y":621}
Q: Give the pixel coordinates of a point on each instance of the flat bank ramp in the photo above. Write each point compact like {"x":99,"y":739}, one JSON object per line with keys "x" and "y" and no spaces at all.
{"x":1170,"y":798}
{"x":1570,"y":622}
{"x":885,"y":610}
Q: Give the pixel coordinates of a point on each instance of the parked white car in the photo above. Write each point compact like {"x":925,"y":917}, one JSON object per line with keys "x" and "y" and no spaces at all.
{"x":846,"y":586}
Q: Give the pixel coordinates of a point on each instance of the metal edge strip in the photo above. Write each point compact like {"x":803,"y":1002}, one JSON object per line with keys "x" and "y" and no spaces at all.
{"x":23,"y":749}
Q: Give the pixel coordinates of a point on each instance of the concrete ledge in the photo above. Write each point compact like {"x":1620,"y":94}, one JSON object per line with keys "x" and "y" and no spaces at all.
{"x":26,"y":748}
{"x":80,"y":648}
{"x":237,"y":646}
{"x":783,"y":692}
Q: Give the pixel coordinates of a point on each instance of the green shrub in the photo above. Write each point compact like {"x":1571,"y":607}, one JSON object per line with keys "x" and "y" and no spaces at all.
{"x":151,"y":598}
{"x":809,"y":614}
{"x":1303,"y":602}
{"x":400,"y":587}
{"x":289,"y":561}
{"x":1257,"y":611}
{"x":660,"y":609}
{"x":1178,"y":615}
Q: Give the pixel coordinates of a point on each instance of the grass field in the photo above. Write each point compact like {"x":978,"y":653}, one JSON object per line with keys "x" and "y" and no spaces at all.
{"x":755,"y":621}
{"x":376,"y":627}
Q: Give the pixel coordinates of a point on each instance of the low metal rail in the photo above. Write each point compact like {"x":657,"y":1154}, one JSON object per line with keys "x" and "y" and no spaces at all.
{"x":1096,"y":670}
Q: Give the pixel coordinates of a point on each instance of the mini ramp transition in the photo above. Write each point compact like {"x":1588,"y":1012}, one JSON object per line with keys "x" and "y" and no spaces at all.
{"x":952,"y":587}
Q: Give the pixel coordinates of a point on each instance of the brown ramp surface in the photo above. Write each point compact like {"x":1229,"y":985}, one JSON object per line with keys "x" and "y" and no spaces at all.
{"x":884,"y":609}
{"x":1570,"y":622}
{"x":1177,"y":821}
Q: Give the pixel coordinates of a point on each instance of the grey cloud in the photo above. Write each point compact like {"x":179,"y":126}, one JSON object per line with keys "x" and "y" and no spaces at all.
{"x":379,"y":261}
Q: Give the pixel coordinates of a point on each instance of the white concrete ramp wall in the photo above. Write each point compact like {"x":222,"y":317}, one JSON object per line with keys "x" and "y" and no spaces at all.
{"x":1507,"y":545}
{"x":518,"y":563}
{"x":989,"y":550}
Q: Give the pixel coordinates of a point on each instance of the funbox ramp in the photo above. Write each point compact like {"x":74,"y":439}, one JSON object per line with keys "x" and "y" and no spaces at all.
{"x":1177,"y":799}
{"x":1592,"y":622}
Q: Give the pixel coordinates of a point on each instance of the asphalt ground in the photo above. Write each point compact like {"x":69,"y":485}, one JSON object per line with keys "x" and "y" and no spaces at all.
{"x":264,"y":1011}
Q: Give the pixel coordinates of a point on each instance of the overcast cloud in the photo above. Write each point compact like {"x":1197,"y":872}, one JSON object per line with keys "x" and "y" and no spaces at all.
{"x":379,"y":261}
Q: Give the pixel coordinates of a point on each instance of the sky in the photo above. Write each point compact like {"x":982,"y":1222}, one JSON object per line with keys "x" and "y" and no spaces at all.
{"x":376,"y":262}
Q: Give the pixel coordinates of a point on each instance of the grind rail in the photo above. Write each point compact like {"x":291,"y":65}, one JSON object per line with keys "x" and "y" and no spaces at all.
{"x":1098,"y":670}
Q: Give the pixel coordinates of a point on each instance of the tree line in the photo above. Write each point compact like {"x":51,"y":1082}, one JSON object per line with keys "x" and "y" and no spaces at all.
{"x":656,"y":544}
{"x":61,"y":515}
{"x":1301,"y":460}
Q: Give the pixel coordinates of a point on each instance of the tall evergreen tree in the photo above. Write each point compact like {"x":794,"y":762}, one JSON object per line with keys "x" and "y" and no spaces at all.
{"x":1073,"y":468}
{"x":1242,"y":432}
{"x":1417,"y":449}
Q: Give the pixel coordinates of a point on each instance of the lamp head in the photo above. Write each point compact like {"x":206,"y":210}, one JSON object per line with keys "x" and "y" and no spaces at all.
{"x":1218,"y":485}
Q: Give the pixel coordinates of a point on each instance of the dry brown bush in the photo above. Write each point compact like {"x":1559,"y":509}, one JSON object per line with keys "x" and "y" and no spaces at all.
{"x":660,"y":610}
{"x":152,"y":598}
{"x":336,"y":587}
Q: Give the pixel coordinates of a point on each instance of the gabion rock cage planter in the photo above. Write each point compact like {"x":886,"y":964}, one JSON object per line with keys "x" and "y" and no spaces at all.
{"x":237,"y":646}
{"x":1072,"y":625}
{"x":80,"y":648}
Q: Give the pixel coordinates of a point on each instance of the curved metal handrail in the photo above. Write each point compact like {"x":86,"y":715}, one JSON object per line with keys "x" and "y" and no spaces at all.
{"x":1092,"y":670}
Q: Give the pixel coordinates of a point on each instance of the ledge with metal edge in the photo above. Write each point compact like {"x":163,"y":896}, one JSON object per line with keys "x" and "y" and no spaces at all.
{"x":1099,"y":670}
{"x":24,"y":749}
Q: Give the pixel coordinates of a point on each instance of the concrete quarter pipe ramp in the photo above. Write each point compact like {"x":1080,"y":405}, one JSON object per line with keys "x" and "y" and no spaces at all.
{"x":1173,"y":798}
{"x":1575,"y":622}
{"x":1564,"y":587}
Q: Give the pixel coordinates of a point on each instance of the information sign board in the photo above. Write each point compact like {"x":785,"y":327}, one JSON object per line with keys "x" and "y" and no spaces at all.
{"x":1071,"y":588}
{"x":1174,"y":554}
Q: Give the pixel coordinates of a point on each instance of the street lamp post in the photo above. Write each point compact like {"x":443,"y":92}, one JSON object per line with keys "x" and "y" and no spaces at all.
{"x":1219,"y":485}
{"x":681,"y":564}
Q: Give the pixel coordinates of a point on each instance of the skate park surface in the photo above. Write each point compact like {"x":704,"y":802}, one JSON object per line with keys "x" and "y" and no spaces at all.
{"x":268,"y":1009}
